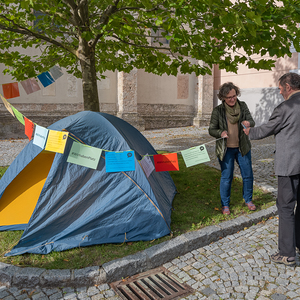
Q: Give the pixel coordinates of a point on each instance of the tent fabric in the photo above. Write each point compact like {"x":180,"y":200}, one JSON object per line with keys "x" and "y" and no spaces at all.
{"x":79,"y":206}
{"x":25,"y":189}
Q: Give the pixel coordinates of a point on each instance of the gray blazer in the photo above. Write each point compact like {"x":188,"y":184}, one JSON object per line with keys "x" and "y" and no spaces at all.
{"x":284,"y":123}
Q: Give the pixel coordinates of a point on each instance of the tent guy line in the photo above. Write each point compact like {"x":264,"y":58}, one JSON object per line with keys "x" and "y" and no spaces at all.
{"x":168,"y":163}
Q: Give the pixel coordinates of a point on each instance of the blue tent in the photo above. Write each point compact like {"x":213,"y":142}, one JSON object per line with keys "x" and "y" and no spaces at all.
{"x":61,"y":205}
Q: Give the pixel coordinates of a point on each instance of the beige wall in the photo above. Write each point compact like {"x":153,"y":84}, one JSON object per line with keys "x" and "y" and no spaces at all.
{"x":259,"y":88}
{"x":154,"y":89}
{"x":251,"y":78}
{"x":66,"y":89}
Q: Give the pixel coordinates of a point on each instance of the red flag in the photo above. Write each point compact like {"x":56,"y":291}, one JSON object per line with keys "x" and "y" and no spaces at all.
{"x":166,"y":162}
{"x":11,"y":90}
{"x":29,"y":126}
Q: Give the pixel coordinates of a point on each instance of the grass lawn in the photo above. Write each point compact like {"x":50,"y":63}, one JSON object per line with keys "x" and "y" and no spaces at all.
{"x":196,"y":205}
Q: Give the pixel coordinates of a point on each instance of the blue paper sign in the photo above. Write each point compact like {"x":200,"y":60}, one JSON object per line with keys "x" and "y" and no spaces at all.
{"x":45,"y":78}
{"x":119,"y":161}
{"x":40,"y":136}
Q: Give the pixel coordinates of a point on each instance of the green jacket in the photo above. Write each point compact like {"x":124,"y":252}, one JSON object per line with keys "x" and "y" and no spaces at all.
{"x":218,"y":124}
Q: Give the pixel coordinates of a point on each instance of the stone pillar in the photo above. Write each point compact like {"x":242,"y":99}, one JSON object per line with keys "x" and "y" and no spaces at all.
{"x":127,"y":99}
{"x":204,"y":94}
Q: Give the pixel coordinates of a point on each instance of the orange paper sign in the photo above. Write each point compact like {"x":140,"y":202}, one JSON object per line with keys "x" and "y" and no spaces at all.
{"x":29,"y":126}
{"x":11,"y":90}
{"x":166,"y":162}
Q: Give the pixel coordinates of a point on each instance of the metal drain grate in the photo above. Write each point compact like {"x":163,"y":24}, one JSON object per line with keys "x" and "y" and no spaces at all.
{"x":151,"y":285}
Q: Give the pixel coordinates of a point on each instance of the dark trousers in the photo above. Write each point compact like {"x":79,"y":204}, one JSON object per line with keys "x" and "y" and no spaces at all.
{"x":289,"y":217}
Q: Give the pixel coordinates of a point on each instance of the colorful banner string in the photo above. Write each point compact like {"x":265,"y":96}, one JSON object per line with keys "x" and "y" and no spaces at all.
{"x":116,"y":161}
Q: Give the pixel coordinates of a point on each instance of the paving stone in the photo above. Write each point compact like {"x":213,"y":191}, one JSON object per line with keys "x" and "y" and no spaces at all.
{"x":39,"y":296}
{"x":103,"y":287}
{"x":97,"y":297}
{"x":9,"y":297}
{"x":92,"y":291}
{"x":56,"y":296}
{"x":82,"y":296}
{"x":109,"y":293}
{"x":208,"y":291}
{"x":3,"y":293}
{"x":70,"y":296}
{"x":278,"y":297}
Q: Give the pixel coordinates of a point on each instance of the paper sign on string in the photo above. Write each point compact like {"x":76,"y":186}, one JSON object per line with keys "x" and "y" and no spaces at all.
{"x":119,"y":161}
{"x":30,"y":85}
{"x":45,"y":79}
{"x":7,"y":105}
{"x":195,"y":156}
{"x":18,"y":115}
{"x":11,"y":90}
{"x":56,"y":141}
{"x":29,"y":126}
{"x":147,"y":165}
{"x":166,"y":162}
{"x":84,"y":155}
{"x":40,"y":136}
{"x":56,"y":72}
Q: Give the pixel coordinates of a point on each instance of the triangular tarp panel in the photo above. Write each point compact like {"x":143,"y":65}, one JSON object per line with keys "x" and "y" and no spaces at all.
{"x":76,"y":206}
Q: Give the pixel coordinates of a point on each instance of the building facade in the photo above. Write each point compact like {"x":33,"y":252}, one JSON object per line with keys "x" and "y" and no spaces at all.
{"x":148,"y":101}
{"x":259,"y":89}
{"x":145,"y":100}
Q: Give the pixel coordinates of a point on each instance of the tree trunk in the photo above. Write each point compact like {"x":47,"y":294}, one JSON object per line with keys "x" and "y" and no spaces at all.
{"x":89,"y":80}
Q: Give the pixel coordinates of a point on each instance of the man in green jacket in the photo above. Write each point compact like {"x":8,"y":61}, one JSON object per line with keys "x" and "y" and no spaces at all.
{"x":226,"y":124}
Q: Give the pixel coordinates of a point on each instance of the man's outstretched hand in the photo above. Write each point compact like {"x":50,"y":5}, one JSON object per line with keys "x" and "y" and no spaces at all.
{"x":247,"y":130}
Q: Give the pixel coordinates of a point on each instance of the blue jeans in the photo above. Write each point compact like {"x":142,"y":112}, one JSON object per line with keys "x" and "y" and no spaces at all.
{"x":227,"y":168}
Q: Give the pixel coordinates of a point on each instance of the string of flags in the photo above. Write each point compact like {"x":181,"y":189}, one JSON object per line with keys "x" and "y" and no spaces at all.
{"x":115,"y":161}
{"x":30,"y":85}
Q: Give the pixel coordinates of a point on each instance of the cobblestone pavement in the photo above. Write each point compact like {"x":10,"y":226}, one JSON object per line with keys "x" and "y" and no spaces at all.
{"x":235,"y":267}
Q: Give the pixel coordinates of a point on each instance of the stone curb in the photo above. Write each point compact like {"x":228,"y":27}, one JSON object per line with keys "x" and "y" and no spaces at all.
{"x":12,"y":276}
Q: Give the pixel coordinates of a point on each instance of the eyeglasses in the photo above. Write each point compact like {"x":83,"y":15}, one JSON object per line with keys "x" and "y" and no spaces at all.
{"x":231,"y":97}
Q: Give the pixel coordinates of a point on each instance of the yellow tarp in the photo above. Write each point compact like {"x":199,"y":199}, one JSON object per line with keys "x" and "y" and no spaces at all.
{"x":20,"y":197}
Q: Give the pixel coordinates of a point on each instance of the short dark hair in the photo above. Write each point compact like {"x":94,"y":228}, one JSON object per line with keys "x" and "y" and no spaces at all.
{"x":225,"y":88}
{"x":293,"y":79}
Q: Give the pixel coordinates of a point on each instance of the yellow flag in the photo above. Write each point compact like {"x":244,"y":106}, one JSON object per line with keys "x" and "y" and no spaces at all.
{"x":56,"y":141}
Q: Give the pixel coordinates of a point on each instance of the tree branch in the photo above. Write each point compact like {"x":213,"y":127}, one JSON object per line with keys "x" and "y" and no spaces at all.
{"x":74,"y":7}
{"x":108,"y":12}
{"x":25,"y":31}
{"x":141,"y":46}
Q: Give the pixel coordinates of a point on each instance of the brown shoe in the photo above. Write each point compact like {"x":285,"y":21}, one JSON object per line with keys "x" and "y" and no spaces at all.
{"x":288,"y":261}
{"x":251,"y":206}
{"x":225,"y":210}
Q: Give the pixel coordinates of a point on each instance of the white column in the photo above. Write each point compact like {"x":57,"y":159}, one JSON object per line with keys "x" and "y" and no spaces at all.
{"x":204,"y":90}
{"x":127,"y":98}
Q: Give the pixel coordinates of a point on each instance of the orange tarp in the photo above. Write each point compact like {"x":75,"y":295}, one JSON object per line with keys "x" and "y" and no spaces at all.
{"x":20,"y":197}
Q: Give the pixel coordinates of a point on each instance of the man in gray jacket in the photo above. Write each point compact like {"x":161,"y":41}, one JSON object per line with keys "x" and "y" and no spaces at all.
{"x":284,"y":123}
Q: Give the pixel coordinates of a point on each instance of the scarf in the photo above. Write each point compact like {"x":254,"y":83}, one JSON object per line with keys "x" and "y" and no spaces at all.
{"x":232,"y":113}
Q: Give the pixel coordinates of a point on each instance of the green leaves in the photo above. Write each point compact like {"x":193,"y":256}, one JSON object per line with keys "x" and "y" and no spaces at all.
{"x":254,"y":18}
{"x":159,"y":37}
{"x":228,"y":18}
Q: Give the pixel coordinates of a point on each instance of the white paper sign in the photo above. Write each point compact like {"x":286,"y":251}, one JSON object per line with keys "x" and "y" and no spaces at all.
{"x":40,"y":136}
{"x":147,"y":165}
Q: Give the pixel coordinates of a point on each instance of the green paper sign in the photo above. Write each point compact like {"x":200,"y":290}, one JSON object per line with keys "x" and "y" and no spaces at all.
{"x":84,"y":155}
{"x":194,"y":156}
{"x":18,"y":115}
